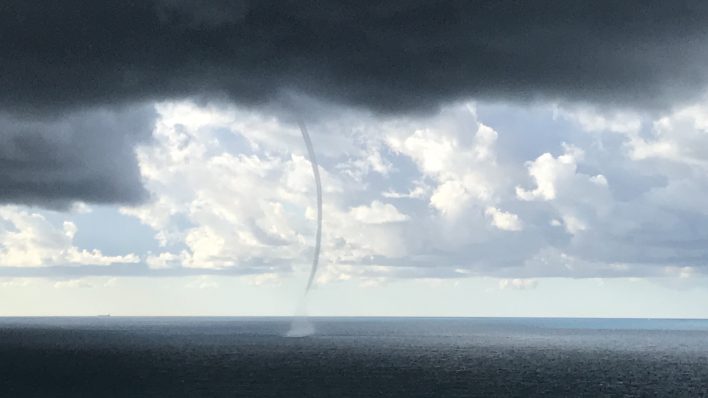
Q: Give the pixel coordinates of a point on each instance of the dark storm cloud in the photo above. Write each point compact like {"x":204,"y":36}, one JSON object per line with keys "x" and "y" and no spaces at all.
{"x":59,"y":57}
{"x":82,"y":155}
{"x":388,"y":56}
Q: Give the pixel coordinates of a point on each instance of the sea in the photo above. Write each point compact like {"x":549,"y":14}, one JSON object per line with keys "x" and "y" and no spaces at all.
{"x":352,"y":357}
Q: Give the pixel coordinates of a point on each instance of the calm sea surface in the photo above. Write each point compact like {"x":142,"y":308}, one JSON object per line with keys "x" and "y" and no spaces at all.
{"x":352,"y":357}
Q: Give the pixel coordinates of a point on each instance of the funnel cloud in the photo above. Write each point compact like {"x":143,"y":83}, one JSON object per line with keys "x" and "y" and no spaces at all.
{"x":318,"y":185}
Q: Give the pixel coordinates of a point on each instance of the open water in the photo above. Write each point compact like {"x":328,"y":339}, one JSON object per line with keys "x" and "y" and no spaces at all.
{"x":352,"y":357}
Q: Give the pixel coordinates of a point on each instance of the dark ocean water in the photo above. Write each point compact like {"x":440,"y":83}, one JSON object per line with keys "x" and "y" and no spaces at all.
{"x":352,"y":357}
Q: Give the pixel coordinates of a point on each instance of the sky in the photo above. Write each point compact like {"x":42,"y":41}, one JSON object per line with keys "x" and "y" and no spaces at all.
{"x":477,"y":158}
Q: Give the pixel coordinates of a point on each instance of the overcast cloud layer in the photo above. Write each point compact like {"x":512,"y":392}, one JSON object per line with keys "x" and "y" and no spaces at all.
{"x":386,"y":57}
{"x":61,"y":60}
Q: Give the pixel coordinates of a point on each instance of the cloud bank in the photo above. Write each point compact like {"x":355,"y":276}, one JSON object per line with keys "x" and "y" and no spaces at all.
{"x":476,"y":190}
{"x":439,"y":196}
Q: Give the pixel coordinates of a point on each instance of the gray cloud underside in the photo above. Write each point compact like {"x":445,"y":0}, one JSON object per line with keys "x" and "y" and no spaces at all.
{"x":391,"y":56}
{"x":82,"y":155}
